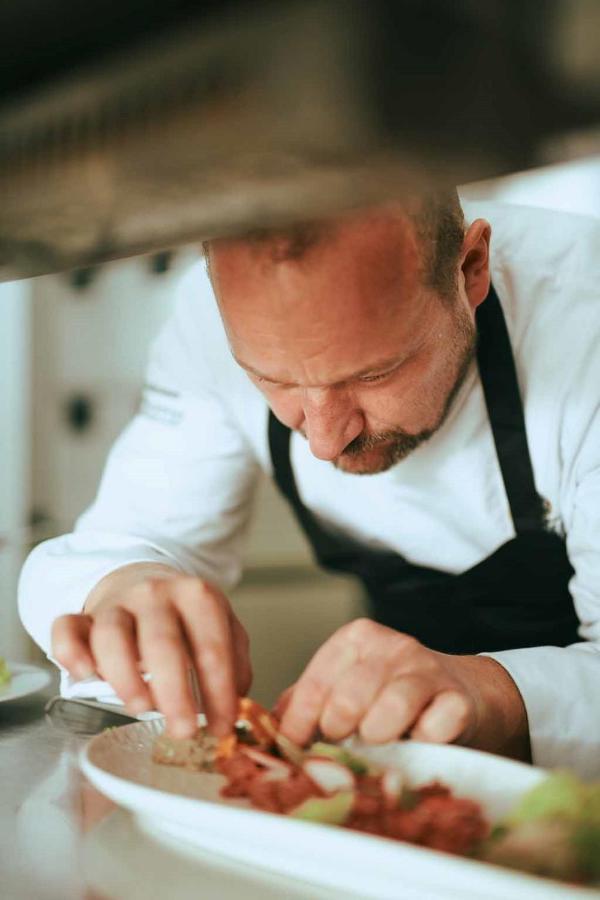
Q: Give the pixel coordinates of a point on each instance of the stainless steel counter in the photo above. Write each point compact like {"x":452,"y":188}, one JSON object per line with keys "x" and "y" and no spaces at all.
{"x":61,"y":840}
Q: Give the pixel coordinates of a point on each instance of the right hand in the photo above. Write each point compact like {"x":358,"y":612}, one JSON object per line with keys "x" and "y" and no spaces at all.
{"x":166,"y":627}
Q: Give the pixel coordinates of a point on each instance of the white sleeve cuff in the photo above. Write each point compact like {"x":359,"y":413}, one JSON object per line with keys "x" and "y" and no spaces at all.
{"x":92,"y":688}
{"x":99,"y":691}
{"x":560,"y":688}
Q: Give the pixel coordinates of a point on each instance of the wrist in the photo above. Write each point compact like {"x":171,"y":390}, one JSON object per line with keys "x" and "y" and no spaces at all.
{"x":500,"y":723}
{"x":110,"y":589}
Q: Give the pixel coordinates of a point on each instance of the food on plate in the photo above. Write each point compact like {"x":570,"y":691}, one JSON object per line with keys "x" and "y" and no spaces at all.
{"x":328,"y":784}
{"x":5,"y":673}
{"x":196,"y":754}
{"x":366,"y":797}
{"x":254,"y":725}
{"x":553,"y":831}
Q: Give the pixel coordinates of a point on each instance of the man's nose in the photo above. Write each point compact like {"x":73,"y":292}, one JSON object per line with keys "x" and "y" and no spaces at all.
{"x":331,"y":421}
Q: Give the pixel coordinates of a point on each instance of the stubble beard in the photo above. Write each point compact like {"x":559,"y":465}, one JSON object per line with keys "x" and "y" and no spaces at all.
{"x":396,"y":444}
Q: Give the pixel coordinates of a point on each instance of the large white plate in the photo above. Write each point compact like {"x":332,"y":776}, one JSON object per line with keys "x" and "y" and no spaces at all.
{"x":25,"y":680}
{"x":186,"y":807}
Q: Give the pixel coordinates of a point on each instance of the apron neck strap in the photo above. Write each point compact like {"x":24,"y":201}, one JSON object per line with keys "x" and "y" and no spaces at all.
{"x":505,"y":410}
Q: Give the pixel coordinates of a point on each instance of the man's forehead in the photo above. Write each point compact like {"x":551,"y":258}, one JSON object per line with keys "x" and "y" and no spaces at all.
{"x":377,"y":247}
{"x":389,"y":222}
{"x":334,"y":312}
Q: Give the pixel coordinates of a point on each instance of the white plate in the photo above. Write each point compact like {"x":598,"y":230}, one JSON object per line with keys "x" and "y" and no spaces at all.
{"x":186,"y":807}
{"x":25,"y":680}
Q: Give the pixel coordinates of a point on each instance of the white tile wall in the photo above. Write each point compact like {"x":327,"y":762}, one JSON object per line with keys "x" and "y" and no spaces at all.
{"x":92,"y":343}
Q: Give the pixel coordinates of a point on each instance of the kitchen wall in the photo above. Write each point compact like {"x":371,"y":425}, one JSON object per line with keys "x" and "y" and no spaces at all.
{"x":72,"y":353}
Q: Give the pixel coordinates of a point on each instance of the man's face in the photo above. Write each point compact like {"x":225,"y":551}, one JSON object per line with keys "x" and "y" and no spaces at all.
{"x":346,"y":343}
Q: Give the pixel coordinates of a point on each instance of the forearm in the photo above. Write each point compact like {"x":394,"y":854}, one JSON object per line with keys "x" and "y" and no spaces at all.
{"x":111,"y":588}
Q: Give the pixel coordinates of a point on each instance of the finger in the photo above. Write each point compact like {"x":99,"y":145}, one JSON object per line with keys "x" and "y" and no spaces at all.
{"x":114,"y":644}
{"x":70,"y":645}
{"x":210,"y":639}
{"x":163,"y":648}
{"x":351,"y":697}
{"x":283,"y":701}
{"x":312,"y":689}
{"x":396,"y":708}
{"x":445,"y":719}
{"x":241,"y":655}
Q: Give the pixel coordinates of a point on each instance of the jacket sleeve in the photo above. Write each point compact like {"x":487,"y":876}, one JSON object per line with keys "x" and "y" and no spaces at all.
{"x":561,"y":686}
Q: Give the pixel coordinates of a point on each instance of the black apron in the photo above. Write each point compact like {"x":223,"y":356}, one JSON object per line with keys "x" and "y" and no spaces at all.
{"x":518,"y":596}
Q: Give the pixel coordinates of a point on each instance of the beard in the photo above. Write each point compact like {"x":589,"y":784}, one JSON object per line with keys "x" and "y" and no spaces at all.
{"x":370,"y":454}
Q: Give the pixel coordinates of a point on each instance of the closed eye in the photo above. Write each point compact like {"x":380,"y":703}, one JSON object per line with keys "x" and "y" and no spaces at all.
{"x":260,"y":379}
{"x":371,"y":379}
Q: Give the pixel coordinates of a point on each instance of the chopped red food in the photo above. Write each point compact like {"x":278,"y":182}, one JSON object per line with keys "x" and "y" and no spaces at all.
{"x":247,"y":778}
{"x":377,"y":801}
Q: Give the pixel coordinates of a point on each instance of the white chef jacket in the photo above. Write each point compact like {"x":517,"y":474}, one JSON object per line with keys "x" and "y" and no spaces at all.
{"x":179,"y":481}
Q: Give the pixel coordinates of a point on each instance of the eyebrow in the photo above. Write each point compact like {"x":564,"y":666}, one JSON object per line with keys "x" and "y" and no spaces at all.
{"x":376,"y":369}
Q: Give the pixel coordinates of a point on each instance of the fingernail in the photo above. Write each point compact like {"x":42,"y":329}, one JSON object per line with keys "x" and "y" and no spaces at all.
{"x":139,"y":705}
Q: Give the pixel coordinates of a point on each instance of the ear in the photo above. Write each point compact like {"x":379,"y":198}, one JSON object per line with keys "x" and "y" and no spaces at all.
{"x":475,"y":262}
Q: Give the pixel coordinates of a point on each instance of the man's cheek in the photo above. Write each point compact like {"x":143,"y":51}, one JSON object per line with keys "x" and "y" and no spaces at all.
{"x":383,"y":410}
{"x":408,"y":404}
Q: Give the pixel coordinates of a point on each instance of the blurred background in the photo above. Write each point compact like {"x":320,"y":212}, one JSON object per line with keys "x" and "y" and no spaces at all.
{"x":130,"y":131}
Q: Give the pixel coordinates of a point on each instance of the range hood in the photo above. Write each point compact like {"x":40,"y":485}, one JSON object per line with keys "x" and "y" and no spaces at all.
{"x":133,"y":127}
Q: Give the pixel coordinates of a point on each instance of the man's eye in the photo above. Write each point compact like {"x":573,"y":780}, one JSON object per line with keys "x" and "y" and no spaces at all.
{"x":370,"y":379}
{"x":268,"y":385}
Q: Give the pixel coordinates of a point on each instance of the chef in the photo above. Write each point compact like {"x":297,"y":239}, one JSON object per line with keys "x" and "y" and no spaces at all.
{"x":425,"y":392}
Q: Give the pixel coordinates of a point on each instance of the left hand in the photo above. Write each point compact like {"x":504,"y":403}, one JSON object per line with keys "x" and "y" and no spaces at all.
{"x":383,"y":684}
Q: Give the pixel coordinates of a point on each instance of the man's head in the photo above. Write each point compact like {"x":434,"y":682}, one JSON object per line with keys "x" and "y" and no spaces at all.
{"x":360,"y":331}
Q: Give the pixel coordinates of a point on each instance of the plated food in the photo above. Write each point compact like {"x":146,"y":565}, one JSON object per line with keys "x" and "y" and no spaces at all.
{"x":553,"y":831}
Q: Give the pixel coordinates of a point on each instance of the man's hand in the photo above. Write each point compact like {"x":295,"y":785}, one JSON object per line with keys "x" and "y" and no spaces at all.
{"x":154,"y":620}
{"x":382,"y":684}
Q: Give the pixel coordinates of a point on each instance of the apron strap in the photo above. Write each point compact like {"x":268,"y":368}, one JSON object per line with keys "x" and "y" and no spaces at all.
{"x":505,"y":410}
{"x":279,"y":446}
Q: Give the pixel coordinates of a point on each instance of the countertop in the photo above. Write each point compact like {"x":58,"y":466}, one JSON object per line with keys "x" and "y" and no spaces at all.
{"x":62,"y":840}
